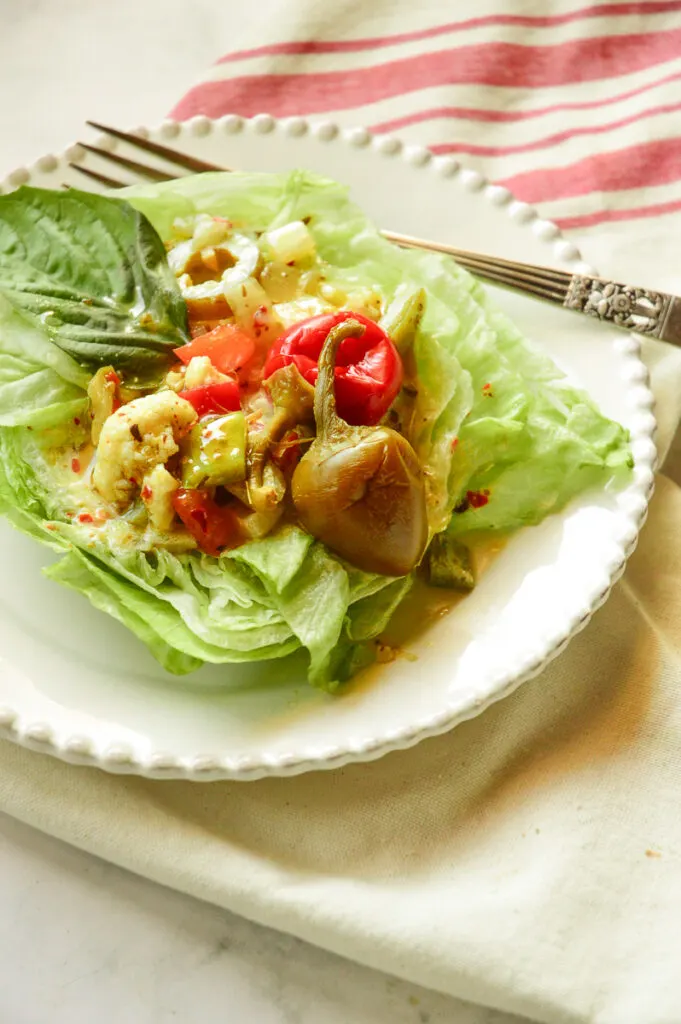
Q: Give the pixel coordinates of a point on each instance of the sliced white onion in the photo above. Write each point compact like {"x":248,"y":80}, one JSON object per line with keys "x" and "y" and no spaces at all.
{"x":206,"y":290}
{"x":246,"y":255}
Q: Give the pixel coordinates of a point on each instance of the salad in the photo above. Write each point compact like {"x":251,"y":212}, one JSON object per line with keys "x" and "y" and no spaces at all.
{"x":247,"y":423}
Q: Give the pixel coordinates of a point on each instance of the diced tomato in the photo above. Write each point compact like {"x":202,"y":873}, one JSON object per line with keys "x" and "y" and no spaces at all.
{"x":228,"y":348}
{"x":214,"y":527}
{"x":214,"y":398}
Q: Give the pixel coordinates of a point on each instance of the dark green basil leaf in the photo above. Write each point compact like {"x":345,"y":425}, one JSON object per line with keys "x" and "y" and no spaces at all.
{"x":93,"y":272}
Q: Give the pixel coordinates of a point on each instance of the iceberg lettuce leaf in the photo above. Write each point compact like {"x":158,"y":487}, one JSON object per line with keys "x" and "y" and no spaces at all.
{"x":492,"y":416}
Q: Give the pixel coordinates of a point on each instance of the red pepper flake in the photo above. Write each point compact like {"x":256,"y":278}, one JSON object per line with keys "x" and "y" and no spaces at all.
{"x":131,"y":480}
{"x":50,"y":526}
{"x":487,"y":391}
{"x":69,"y":515}
{"x":147,"y":493}
{"x":76,"y":421}
{"x":473,"y":499}
{"x":477,"y":499}
{"x":75,"y":465}
{"x":455,"y":443}
{"x":112,"y":377}
{"x":85,"y":517}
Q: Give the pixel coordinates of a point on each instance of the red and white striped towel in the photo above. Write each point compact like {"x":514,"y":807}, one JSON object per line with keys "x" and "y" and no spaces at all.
{"x":574,"y":108}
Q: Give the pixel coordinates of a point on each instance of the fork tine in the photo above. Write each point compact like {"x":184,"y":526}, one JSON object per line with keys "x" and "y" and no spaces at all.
{"x":522,"y":273}
{"x":181,"y":159}
{"x":543,"y":282}
{"x":522,"y":282}
{"x":548,"y":274}
{"x":493,"y":262}
{"x":96,"y":176}
{"x":131,"y":165}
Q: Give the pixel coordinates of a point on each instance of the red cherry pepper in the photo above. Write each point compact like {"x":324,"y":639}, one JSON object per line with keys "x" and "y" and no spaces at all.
{"x":213,"y":527}
{"x":214,"y":398}
{"x":368,"y":369}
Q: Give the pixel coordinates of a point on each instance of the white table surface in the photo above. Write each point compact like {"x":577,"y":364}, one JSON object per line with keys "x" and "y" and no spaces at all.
{"x":81,"y":940}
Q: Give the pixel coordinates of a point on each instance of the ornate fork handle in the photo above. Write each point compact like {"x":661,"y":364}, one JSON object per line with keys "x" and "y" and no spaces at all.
{"x":654,"y":313}
{"x":636,"y":309}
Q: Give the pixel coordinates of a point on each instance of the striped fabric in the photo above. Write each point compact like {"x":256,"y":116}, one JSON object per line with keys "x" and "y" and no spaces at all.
{"x":574,"y":108}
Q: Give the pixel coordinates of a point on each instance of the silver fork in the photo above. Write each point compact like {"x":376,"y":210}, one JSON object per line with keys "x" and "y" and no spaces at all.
{"x":655,"y":313}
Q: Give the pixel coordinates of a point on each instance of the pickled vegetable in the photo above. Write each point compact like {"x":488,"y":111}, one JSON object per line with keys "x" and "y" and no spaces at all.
{"x":449,"y":564}
{"x":360,"y":489}
{"x":216,"y":452}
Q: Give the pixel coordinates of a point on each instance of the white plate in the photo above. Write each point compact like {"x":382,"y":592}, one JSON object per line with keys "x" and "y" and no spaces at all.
{"x":76,"y":684}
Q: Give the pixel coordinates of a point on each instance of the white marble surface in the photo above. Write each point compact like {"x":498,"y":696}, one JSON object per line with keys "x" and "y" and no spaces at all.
{"x":81,"y":940}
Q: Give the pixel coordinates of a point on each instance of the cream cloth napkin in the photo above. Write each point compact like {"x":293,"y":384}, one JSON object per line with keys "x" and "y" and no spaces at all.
{"x":531,"y":859}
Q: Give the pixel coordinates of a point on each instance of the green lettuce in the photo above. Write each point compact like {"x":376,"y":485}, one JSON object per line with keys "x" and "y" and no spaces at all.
{"x":265,"y":599}
{"x":493,"y":417}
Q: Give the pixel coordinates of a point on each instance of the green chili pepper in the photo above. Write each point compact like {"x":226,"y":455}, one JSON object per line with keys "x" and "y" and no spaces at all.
{"x":402,"y":318}
{"x":360,"y":489}
{"x":216,"y":452}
